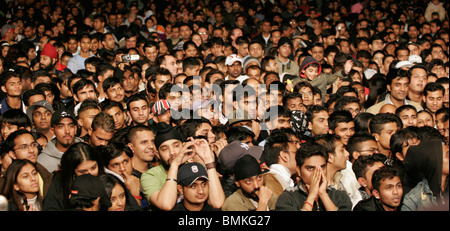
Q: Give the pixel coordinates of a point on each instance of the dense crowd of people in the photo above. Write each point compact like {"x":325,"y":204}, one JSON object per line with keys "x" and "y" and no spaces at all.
{"x":208,"y":105}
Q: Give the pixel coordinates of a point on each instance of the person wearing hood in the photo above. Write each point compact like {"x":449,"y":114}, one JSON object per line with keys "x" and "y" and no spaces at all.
{"x":426,"y":172}
{"x":435,"y":6}
{"x":311,"y":71}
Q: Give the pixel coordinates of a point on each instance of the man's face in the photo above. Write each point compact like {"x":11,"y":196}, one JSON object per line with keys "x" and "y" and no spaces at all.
{"x":319,"y":124}
{"x":99,"y":137}
{"x":87,"y":92}
{"x":118,"y":116}
{"x":390,"y":193}
{"x":25,"y":148}
{"x":151,"y":53}
{"x":256,"y":51}
{"x":29,"y":32}
{"x":85,"y":44}
{"x":310,"y":165}
{"x":248,"y":104}
{"x":296,"y":104}
{"x":434,"y":100}
{"x":206,"y":130}
{"x":42,"y":118}
{"x":130,"y":82}
{"x":234,"y":70}
{"x":13,"y":87}
{"x":317,"y":53}
{"x":65,"y":132}
{"x":353,"y":108}
{"x":251,"y":186}
{"x":171,"y":65}
{"x":242,"y":49}
{"x":307,"y":96}
{"x":131,"y":42}
{"x":160,"y":81}
{"x":399,"y":88}
{"x":340,"y":155}
{"x":284,"y":50}
{"x":403,"y":55}
{"x":345,"y":131}
{"x":121,"y":165}
{"x":418,"y":80}
{"x":116,"y":93}
{"x":366,"y":148}
{"x":185,"y":32}
{"x":168,"y":150}
{"x":196,"y":193}
{"x":143,"y":145}
{"x":85,"y":118}
{"x":384,"y":137}
{"x":408,"y":117}
{"x":109,"y":42}
{"x":139,"y":111}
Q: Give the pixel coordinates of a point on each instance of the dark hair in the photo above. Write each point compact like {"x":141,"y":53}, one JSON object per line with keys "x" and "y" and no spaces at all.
{"x":15,"y":117}
{"x":355,"y":140}
{"x":404,"y":108}
{"x":400,"y":137}
{"x":110,"y":181}
{"x":111,"y":82}
{"x":360,"y":165}
{"x":114,"y":150}
{"x":309,"y":149}
{"x":339,"y":116}
{"x":133,"y":130}
{"x":103,"y":120}
{"x":432,"y":87}
{"x":80,"y":84}
{"x":345,"y":100}
{"x":385,"y":172}
{"x":238,"y":133}
{"x":16,"y":196}
{"x":9,"y":143}
{"x":328,"y":141}
{"x":362,"y":121}
{"x":313,"y":110}
{"x":376,"y":125}
{"x":190,"y":126}
{"x":72,"y":157}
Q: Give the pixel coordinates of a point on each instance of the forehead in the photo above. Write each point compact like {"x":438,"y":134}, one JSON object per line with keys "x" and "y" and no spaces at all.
{"x":23,"y":138}
{"x":314,"y":161}
{"x":138,"y":103}
{"x":170,"y":142}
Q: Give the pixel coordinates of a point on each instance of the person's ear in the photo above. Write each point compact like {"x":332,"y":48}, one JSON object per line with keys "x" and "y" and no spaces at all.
{"x":400,"y":156}
{"x":362,"y":182}
{"x":376,"y":194}
{"x":180,"y":189}
{"x":356,"y":155}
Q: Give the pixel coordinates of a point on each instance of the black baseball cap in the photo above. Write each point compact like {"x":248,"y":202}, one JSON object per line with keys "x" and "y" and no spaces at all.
{"x":61,"y":114}
{"x":190,"y":172}
{"x":89,"y":186}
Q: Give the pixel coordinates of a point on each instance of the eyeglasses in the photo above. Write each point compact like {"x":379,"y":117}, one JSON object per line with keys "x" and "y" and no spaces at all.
{"x":25,"y":147}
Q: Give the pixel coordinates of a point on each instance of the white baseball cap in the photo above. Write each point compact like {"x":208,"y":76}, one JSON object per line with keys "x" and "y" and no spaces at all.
{"x":232,"y":58}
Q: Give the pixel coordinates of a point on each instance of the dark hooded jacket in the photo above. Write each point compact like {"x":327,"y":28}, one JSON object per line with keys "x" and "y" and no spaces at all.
{"x":425,"y":161}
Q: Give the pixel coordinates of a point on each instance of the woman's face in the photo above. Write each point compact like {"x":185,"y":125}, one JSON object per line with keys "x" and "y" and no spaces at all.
{"x":27,"y":181}
{"x":118,"y":198}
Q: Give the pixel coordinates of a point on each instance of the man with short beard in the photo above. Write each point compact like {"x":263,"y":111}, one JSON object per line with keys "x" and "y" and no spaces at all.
{"x":48,"y":58}
{"x":252,"y":195}
{"x":64,"y":127}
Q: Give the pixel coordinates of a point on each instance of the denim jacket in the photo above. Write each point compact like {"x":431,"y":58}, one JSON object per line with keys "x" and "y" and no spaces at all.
{"x":419,"y":197}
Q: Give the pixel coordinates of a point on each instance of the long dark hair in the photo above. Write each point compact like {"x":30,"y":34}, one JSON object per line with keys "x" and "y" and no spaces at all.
{"x":16,"y":196}
{"x":74,"y":156}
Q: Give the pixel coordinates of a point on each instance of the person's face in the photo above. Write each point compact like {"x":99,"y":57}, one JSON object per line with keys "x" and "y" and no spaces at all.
{"x":87,"y":167}
{"x":143,"y":145}
{"x":168,"y":150}
{"x":319,"y":124}
{"x":109,"y":42}
{"x":121,"y":165}
{"x":340,"y":155}
{"x":285,"y":50}
{"x":317,"y":53}
{"x":87,"y":92}
{"x":206,"y":130}
{"x":424,"y":119}
{"x":296,"y":104}
{"x":446,"y":94}
{"x":139,"y":111}
{"x":408,"y":117}
{"x":418,"y":80}
{"x":345,"y":131}
{"x":197,"y":192}
{"x":402,"y":55}
{"x":100,"y":137}
{"x":256,"y":51}
{"x":118,"y":116}
{"x":13,"y":87}
{"x":85,"y":117}
{"x":311,"y":72}
{"x":85,"y":44}
{"x":390,"y":193}
{"x":65,"y":132}
{"x":116,"y":93}
{"x":307,"y":96}
{"x":130,"y":81}
{"x":42,"y":118}
{"x":25,"y":147}
{"x":151,"y":53}
{"x":7,"y":129}
{"x":191,"y":51}
{"x":27,"y":181}
{"x":131,"y":42}
{"x":251,"y":185}
{"x":234,"y":70}
{"x":310,"y":165}
{"x":384,"y":137}
{"x":366,"y":148}
{"x":369,"y":173}
{"x":254,"y":73}
{"x":353,"y":108}
{"x":242,"y":49}
{"x":118,"y":198}
{"x":160,"y":81}
{"x":171,"y":65}
{"x":434,"y":100}
{"x":399,"y":88}
{"x":185,"y":32}
{"x":29,"y":32}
